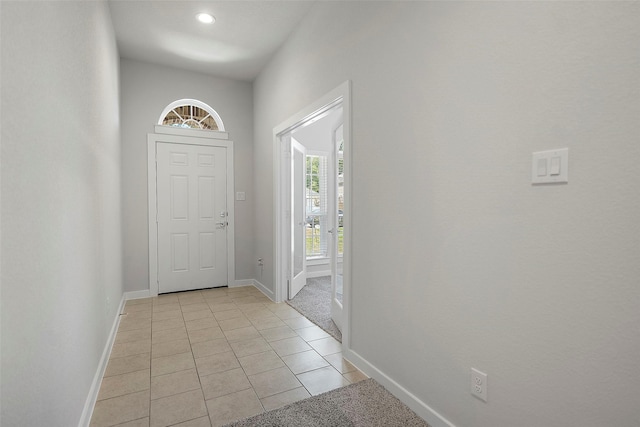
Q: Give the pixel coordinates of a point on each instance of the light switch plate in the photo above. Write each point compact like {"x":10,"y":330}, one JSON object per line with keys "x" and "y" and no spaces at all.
{"x":240,"y":196}
{"x":556,"y":168}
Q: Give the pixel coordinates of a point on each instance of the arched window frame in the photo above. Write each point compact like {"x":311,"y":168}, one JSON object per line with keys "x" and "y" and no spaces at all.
{"x":182,"y":102}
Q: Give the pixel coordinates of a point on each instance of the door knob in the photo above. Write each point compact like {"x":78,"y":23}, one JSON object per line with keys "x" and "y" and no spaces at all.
{"x":220,"y":225}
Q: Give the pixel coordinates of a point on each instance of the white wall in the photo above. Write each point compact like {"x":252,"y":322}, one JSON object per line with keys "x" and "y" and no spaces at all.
{"x":457,"y":259}
{"x":146,"y":90}
{"x":61,"y":246}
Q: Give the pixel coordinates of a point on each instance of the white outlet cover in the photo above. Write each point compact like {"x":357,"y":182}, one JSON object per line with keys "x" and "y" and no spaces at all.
{"x":479,"y":384}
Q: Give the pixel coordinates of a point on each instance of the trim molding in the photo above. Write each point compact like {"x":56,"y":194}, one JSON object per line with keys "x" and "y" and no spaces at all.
{"x":137,"y":294}
{"x":262,"y":288}
{"x":241,"y":283}
{"x":90,"y":403}
{"x":405,"y":396}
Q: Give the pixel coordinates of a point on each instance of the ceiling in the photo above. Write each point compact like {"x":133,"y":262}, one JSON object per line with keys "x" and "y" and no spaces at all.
{"x":238,"y":45}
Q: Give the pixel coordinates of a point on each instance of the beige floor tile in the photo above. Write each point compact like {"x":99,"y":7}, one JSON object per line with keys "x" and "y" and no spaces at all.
{"x":355,"y":376}
{"x":172,"y":306}
{"x":322,"y":380}
{"x":217,"y":307}
{"x":190,"y":308}
{"x":167,"y":335}
{"x":235,"y":406}
{"x":281,"y":399}
{"x":128,"y":324}
{"x":177,"y":408}
{"x":131,"y":308}
{"x":276,"y":334}
{"x":166,"y":315}
{"x":140,"y":315}
{"x":305,"y":361}
{"x":142,"y":422}
{"x":289,"y":346}
{"x":242,"y":334}
{"x":174,"y":383}
{"x":272,"y":322}
{"x":326,"y":346}
{"x":274,"y":382}
{"x":235,"y":323}
{"x":284,"y":311}
{"x":165,"y":299}
{"x":312,"y":333}
{"x":218,"y":299}
{"x":121,"y":409}
{"x":206,"y":334}
{"x":162,"y":325}
{"x":261,"y":362}
{"x":259,"y":313}
{"x":131,"y":348}
{"x":174,"y":363}
{"x":257,"y":307}
{"x":337,"y":361}
{"x":207,"y":348}
{"x":124,"y":365}
{"x":139,"y":301}
{"x":195,"y":315}
{"x":222,"y":383}
{"x":133,"y":335}
{"x":198,"y":422}
{"x":214,"y":292}
{"x":203,"y":323}
{"x":169,"y":348}
{"x":229,"y":314}
{"x":216,"y":363}
{"x":190,"y":299}
{"x":247,"y":347}
{"x":247,"y":299}
{"x":128,"y":383}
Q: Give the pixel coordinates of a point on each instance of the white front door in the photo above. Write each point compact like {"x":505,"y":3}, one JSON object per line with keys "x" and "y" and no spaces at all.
{"x":192,"y":216}
{"x":298,"y":216}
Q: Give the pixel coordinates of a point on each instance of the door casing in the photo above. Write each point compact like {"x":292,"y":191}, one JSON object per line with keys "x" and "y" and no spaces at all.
{"x":167,"y":134}
{"x":339,"y":95}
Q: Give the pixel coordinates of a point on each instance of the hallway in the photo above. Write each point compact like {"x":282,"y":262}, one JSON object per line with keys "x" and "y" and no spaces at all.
{"x":206,"y":358}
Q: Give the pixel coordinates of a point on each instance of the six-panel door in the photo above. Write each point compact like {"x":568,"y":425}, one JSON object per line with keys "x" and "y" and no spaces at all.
{"x":192,"y":217}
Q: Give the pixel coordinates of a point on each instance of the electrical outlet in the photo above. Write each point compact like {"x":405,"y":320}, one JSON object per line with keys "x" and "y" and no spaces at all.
{"x":479,"y":384}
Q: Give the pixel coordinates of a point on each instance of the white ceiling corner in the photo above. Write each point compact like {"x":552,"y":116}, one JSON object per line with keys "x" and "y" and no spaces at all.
{"x":238,"y":45}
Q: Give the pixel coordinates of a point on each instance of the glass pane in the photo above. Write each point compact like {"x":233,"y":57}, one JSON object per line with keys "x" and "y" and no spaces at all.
{"x":298,"y":213}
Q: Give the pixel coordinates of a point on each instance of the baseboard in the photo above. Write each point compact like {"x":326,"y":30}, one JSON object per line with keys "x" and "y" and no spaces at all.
{"x":314,"y":274}
{"x":419,"y":407}
{"x":137,"y":294}
{"x":262,"y":288}
{"x":241,"y":283}
{"x":90,"y":403}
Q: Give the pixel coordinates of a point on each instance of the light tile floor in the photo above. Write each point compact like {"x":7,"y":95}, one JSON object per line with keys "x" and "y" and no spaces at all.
{"x":206,"y":358}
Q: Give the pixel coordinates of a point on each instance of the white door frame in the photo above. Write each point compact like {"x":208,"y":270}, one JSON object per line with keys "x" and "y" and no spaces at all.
{"x":339,"y":95}
{"x":167,"y":134}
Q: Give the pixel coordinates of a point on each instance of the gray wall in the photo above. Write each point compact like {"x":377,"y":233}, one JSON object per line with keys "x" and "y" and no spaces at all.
{"x":457,"y":259}
{"x":61,"y":246}
{"x":146,"y":90}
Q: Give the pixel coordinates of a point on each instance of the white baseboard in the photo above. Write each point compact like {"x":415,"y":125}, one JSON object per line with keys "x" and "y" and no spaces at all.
{"x":262,"y":288}
{"x":241,"y":283}
{"x":90,"y":403}
{"x":137,"y":294}
{"x":314,"y":274}
{"x":418,"y":406}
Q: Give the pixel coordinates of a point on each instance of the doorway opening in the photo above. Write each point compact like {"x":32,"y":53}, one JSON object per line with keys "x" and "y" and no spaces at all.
{"x":312,"y":204}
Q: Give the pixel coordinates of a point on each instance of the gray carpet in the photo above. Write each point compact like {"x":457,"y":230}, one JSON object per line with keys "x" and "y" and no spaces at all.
{"x":314,"y":303}
{"x":364,"y":404}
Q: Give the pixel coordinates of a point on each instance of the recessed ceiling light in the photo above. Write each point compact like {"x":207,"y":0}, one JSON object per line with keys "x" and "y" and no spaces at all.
{"x":205,"y":18}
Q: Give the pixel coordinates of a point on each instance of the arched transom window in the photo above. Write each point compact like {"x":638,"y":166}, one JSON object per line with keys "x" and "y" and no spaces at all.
{"x":192,"y":114}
